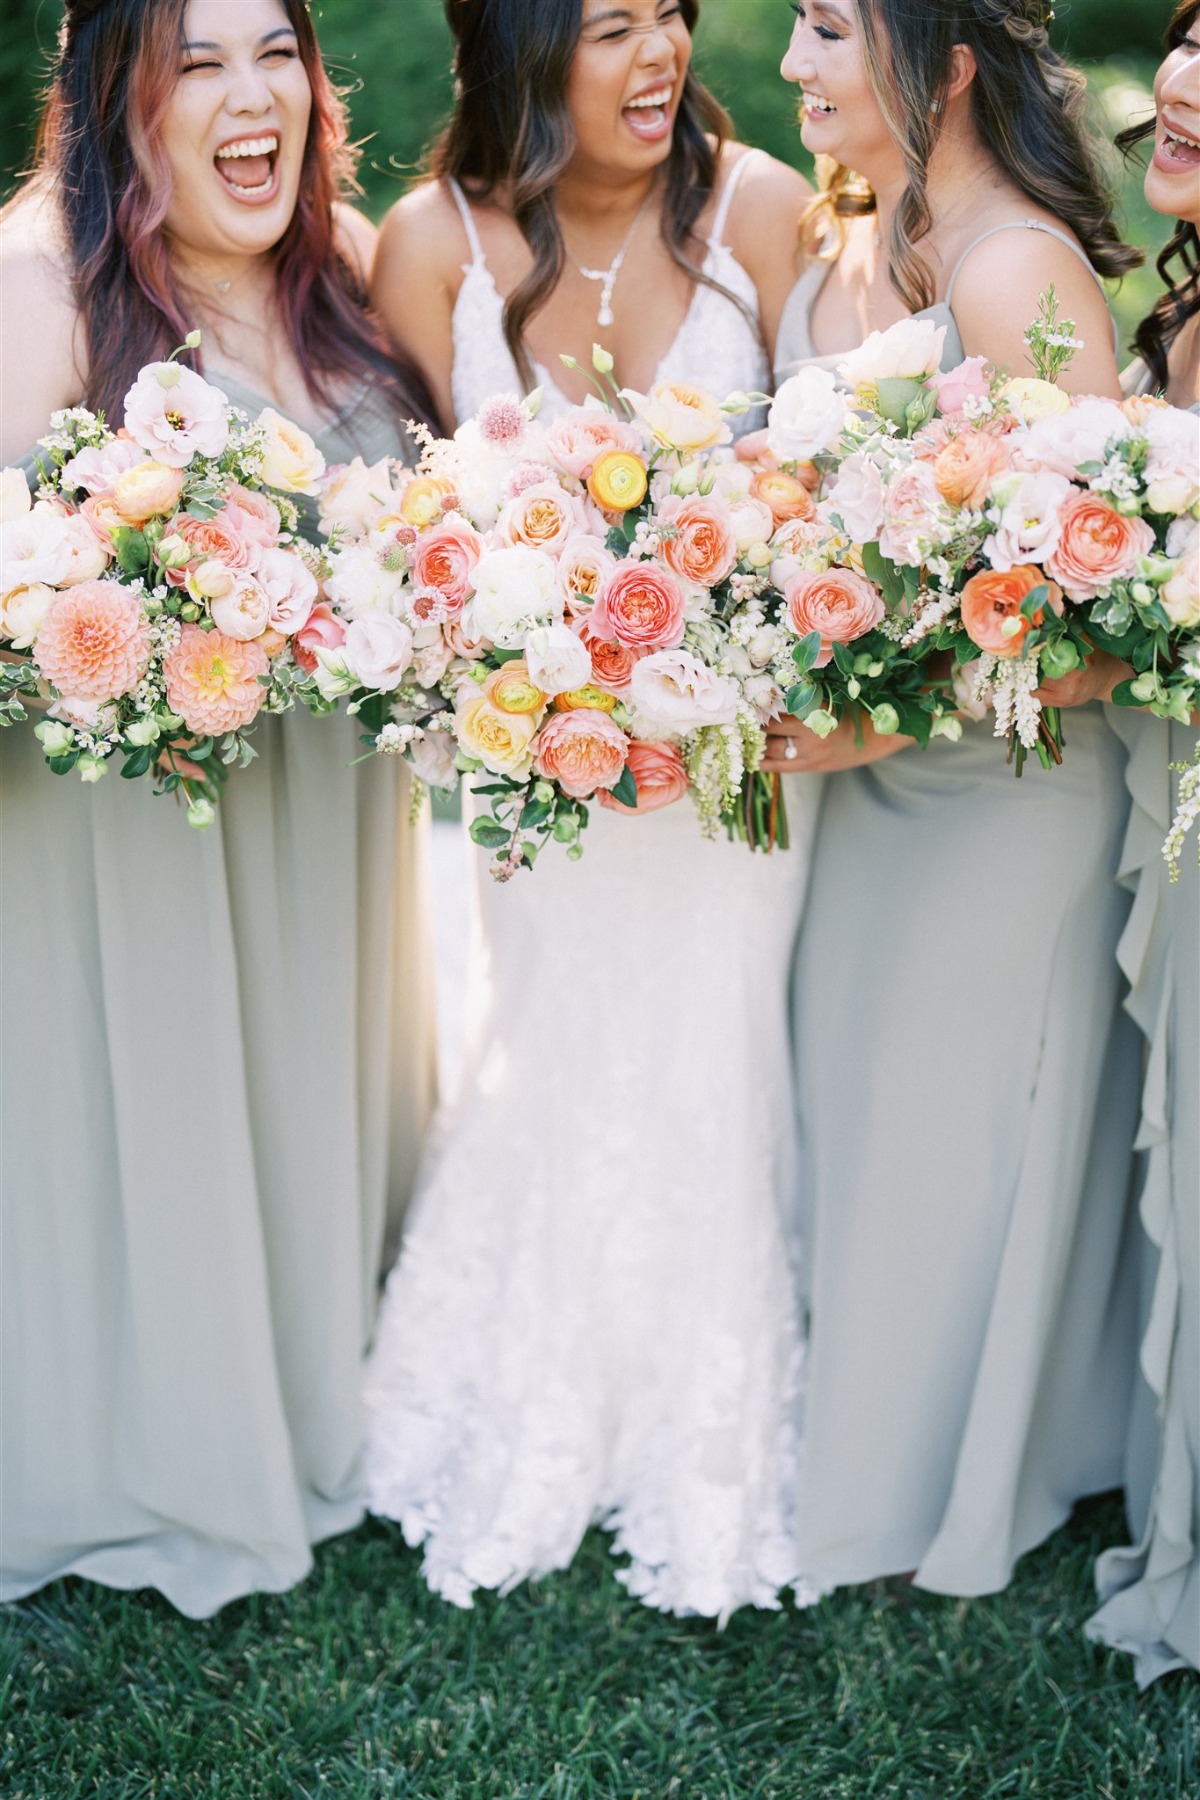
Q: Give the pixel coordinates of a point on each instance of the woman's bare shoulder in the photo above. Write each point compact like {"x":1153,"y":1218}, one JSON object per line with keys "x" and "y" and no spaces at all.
{"x":426,"y":222}
{"x":768,"y":208}
{"x":39,"y":320}
{"x":357,"y":239}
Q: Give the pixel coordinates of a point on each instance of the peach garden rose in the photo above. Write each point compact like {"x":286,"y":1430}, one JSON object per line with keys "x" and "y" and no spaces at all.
{"x":838,"y":603}
{"x":581,"y":750}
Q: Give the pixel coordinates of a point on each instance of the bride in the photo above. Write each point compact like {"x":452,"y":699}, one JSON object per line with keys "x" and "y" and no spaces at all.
{"x":593,"y":1315}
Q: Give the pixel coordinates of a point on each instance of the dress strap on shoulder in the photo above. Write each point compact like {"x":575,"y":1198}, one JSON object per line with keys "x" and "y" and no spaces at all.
{"x":469,"y":225}
{"x":725,"y":199}
{"x":1017,"y":225}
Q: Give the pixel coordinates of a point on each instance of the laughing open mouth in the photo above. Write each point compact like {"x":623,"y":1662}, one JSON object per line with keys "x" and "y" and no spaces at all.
{"x":247,"y":165}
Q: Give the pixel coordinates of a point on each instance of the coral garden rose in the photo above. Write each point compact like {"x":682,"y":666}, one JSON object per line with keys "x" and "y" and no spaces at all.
{"x":991,"y":607}
{"x":499,"y":740}
{"x":243,"y":611}
{"x":100,"y":512}
{"x":673,"y":691}
{"x":612,"y":661}
{"x":293,"y":464}
{"x":618,"y":481}
{"x":582,"y":751}
{"x":681,"y":416}
{"x":585,"y":433}
{"x":542,"y":517}
{"x":583,"y":568}
{"x":445,"y":558}
{"x":93,"y":641}
{"x":512,"y":689}
{"x":660,"y":776}
{"x":1096,"y":546}
{"x":702,"y":548}
{"x":150,"y":490}
{"x":217,"y":537}
{"x":640,"y":605}
{"x":213,"y":681}
{"x":176,"y":415}
{"x":322,"y":630}
{"x":840,"y":604}
{"x":965,"y":469}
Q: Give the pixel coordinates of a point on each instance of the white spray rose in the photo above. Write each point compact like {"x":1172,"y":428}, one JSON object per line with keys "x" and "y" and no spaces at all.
{"x":515,"y":589}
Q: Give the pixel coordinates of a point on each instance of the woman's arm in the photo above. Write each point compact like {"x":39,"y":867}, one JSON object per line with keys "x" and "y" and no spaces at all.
{"x":764,"y":232}
{"x":39,"y":372}
{"x":996,"y":299}
{"x":415,"y":283}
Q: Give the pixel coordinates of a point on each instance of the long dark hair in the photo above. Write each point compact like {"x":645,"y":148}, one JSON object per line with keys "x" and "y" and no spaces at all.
{"x":511,"y":131}
{"x":1028,"y":107}
{"x":1181,"y":299}
{"x":100,"y":154}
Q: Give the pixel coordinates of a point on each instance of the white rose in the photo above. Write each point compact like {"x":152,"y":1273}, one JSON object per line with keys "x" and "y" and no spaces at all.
{"x":292,"y":462}
{"x":244,"y":611}
{"x":15,"y":499}
{"x":433,"y":756}
{"x":360,"y":584}
{"x":355,"y":496}
{"x":379,"y":649}
{"x":751,"y":522}
{"x":88,"y":556}
{"x":912,"y":349}
{"x":1066,"y":440}
{"x":515,"y":589}
{"x":557,"y":660}
{"x":807,"y":415}
{"x":673,"y":691}
{"x":22,"y":610}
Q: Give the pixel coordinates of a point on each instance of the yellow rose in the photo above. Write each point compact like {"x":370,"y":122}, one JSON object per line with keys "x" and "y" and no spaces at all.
{"x":510,"y":690}
{"x":293,"y":463}
{"x":618,"y":481}
{"x":147,"y":491}
{"x":500,"y":741}
{"x":1031,"y":399}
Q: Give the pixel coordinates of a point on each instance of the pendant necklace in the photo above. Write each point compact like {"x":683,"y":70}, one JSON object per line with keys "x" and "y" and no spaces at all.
{"x":608,"y":277}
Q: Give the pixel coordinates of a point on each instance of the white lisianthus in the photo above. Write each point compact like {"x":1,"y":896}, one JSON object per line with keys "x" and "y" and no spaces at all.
{"x":515,"y":589}
{"x":807,"y":415}
{"x":333,"y":675}
{"x":379,"y":648}
{"x":1028,"y":528}
{"x":36,"y":546}
{"x":360,"y":583}
{"x":909,"y":350}
{"x":22,"y":610}
{"x":856,"y":497}
{"x":15,"y":498}
{"x":354,"y":496}
{"x":673,"y":691}
{"x":558,"y":661}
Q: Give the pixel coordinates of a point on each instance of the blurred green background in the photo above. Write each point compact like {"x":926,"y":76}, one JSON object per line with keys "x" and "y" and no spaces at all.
{"x":393,"y":55}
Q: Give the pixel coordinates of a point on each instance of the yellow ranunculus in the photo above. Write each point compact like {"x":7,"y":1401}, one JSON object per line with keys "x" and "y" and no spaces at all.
{"x":510,"y":689}
{"x":423,"y":499}
{"x":590,"y":697}
{"x":618,"y":481}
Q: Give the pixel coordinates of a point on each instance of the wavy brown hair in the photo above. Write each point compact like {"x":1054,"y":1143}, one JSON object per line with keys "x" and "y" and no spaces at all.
{"x":511,"y":134}
{"x":1027,"y":105}
{"x":1181,"y":299}
{"x":99,"y":154}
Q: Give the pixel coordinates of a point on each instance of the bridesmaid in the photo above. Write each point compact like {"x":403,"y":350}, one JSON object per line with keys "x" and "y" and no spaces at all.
{"x":1152,"y":1590}
{"x":216,"y":1048}
{"x":965,"y":1075}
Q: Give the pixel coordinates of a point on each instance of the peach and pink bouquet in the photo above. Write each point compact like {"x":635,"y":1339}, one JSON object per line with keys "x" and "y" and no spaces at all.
{"x":155,"y":594}
{"x":567,"y":612}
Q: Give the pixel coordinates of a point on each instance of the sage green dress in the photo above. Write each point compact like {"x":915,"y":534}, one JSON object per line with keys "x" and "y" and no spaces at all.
{"x":1151,"y":1589}
{"x":967,"y":1095}
{"x":217,"y":1068}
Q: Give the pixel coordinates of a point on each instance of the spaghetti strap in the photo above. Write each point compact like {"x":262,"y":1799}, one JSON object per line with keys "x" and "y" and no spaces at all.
{"x":1018,"y":225}
{"x":721,"y":216}
{"x":469,"y":225}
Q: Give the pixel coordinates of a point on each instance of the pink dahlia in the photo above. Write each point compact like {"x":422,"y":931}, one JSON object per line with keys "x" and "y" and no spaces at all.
{"x":94,"y":642}
{"x":212,"y":680}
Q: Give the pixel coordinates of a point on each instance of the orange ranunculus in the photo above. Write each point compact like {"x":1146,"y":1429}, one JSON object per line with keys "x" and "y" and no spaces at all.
{"x":786,"y":495}
{"x":993,"y":598}
{"x":965,"y":468}
{"x":618,"y":481}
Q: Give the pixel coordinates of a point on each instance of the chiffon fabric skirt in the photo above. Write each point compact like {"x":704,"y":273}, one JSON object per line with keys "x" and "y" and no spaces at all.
{"x":216,"y":1062}
{"x":967,"y":1088}
{"x":1151,"y":1590}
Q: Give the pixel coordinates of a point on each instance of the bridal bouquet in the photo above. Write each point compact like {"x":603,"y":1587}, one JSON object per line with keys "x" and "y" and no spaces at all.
{"x":155,"y":596}
{"x":573,"y":611}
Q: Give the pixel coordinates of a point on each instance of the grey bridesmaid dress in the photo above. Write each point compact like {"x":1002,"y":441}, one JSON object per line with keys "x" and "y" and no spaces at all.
{"x":217,"y":1065}
{"x":967,"y":1086}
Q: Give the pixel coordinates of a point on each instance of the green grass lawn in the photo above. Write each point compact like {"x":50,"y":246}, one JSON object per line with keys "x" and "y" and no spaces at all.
{"x":361,"y":1685}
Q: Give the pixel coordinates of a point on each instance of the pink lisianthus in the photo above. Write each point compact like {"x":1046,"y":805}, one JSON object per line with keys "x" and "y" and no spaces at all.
{"x":911,"y":510}
{"x":582,"y":751}
{"x":213,"y":681}
{"x":660,"y":776}
{"x":641,"y":606}
{"x":93,"y":641}
{"x":96,"y":470}
{"x":290,"y":587}
{"x":954,"y":387}
{"x":175,"y":414}
{"x":322,"y":630}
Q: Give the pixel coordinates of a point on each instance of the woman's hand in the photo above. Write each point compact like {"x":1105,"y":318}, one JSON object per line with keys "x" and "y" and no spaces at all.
{"x":1095,"y":680}
{"x":792,"y":749}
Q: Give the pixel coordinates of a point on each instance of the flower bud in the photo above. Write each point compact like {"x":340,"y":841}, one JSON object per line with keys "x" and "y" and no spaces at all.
{"x":886,"y":720}
{"x":167,"y":375}
{"x":1058,"y":659}
{"x":854,"y":687}
{"x":1142,"y":592}
{"x":759,"y":556}
{"x":56,"y":739}
{"x":1145,"y":688}
{"x":949,"y":726}
{"x":193,"y":340}
{"x":874,"y":670}
{"x":1012,"y":628}
{"x":190,"y":611}
{"x":602,"y":360}
{"x":566,"y":829}
{"x":89,"y":767}
{"x":174,"y":551}
{"x":543,"y":792}
{"x":200,"y":814}
{"x":821,"y":723}
{"x":144,"y":731}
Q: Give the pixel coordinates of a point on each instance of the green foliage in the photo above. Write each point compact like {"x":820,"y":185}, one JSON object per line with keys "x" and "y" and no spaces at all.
{"x":360,"y":1685}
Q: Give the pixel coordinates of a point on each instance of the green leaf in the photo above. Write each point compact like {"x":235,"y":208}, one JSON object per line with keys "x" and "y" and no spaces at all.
{"x":964,"y":650}
{"x":1123,"y":695}
{"x":533,"y":813}
{"x":137,"y":762}
{"x":843,"y":658}
{"x":133,"y":552}
{"x":807,"y":651}
{"x":626,"y":789}
{"x":507,"y":656}
{"x":198,"y":752}
{"x":802,"y":698}
{"x":62,"y":765}
{"x":915,"y":722}
{"x":488,"y":835}
{"x":883,"y":574}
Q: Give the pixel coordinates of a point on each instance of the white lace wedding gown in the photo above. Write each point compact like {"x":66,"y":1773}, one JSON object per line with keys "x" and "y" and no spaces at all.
{"x":593,"y":1317}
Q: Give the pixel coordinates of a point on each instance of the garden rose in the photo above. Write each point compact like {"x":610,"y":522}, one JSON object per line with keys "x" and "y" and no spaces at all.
{"x":993,"y":599}
{"x":954,"y":387}
{"x":515,"y":588}
{"x":445,"y":559}
{"x":354,"y":497}
{"x":583,"y":568}
{"x":216,"y":537}
{"x":213,"y":681}
{"x":102,"y":519}
{"x":22,"y":611}
{"x":88,"y":557}
{"x":785,"y":495}
{"x":175,"y":414}
{"x":243,"y":611}
{"x":292,"y":462}
{"x":641,"y":606}
{"x":1096,"y":546}
{"x":93,"y":641}
{"x":703,"y":549}
{"x":680,"y":416}
{"x":379,"y":649}
{"x":250,"y":515}
{"x":911,"y":515}
{"x":964,"y":470}
{"x":807,"y":415}
{"x":322,"y":630}
{"x":839,"y":604}
{"x":673,"y":691}
{"x":543,"y":517}
{"x":581,"y":751}
{"x":500,"y":741}
{"x":660,"y":776}
{"x":612,"y":661}
{"x":150,"y":490}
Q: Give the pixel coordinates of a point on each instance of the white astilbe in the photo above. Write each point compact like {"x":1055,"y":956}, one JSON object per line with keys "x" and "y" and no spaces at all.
{"x":936,"y":608}
{"x":717,"y":758}
{"x":1009,"y":683}
{"x":1186,"y":813}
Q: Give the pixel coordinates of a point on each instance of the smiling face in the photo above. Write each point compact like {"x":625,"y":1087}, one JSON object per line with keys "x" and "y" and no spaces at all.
{"x":626,"y":82}
{"x":1173,"y":175}
{"x":839,"y":114}
{"x":235,"y":128}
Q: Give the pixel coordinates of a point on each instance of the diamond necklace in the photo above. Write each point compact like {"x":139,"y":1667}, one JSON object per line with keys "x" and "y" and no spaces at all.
{"x":609,"y":276}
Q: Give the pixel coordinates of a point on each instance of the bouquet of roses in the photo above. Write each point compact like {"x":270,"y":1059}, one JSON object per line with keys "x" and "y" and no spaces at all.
{"x":153,"y":597}
{"x":573,"y":611}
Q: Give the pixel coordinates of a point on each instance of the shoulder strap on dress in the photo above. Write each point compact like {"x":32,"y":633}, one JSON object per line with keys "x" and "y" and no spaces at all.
{"x":469,"y":225}
{"x":725,"y":201}
{"x":1017,"y":225}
